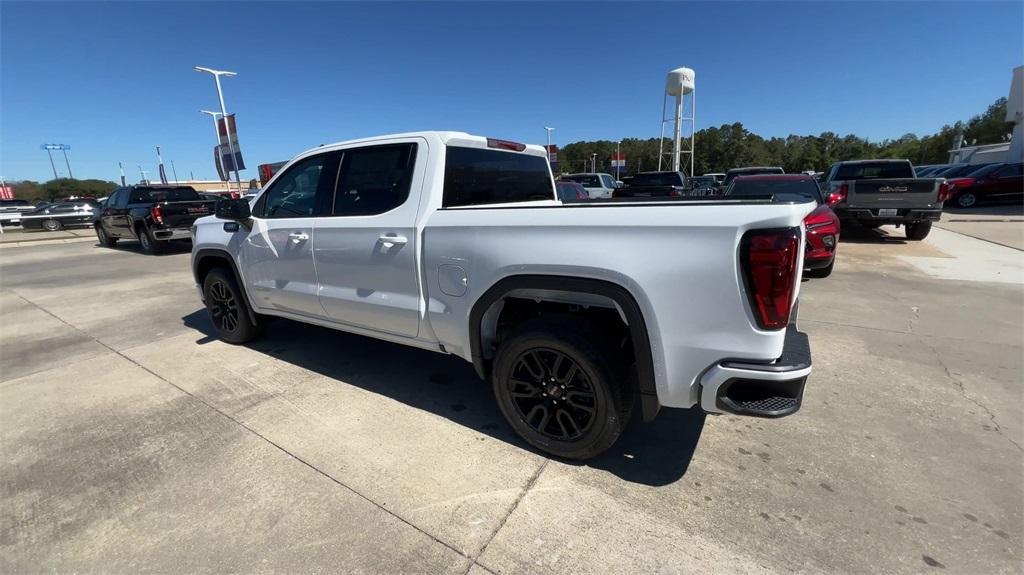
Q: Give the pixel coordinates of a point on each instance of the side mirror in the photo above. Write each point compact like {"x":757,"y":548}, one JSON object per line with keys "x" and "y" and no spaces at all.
{"x":235,"y":210}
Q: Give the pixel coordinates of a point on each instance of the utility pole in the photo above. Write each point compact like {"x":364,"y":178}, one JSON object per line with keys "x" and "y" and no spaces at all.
{"x":224,"y":113}
{"x":52,"y":165}
{"x":66,"y":162}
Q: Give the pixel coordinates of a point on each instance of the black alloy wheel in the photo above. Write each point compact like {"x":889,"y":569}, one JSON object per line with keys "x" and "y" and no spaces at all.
{"x":223,"y":306}
{"x":552,"y":395}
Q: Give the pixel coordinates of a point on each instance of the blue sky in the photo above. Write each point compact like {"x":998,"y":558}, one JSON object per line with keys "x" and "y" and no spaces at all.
{"x":115,"y":79}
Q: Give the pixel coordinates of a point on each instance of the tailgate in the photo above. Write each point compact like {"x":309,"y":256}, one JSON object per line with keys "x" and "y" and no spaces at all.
{"x":182,"y":214}
{"x":895,"y":193}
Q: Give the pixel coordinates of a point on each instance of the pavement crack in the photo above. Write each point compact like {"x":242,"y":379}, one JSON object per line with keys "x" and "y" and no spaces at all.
{"x":274,"y":444}
{"x":963,"y":392}
{"x":515,"y":504}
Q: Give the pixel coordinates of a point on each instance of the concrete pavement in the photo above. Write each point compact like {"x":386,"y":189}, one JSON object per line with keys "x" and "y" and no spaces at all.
{"x":133,"y":440}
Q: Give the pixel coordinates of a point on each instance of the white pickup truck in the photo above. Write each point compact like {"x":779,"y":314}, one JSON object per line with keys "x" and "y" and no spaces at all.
{"x":574,"y":313}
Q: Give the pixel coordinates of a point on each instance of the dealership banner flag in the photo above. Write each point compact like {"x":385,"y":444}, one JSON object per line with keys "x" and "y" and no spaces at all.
{"x":227,"y":142}
{"x":618,"y":160}
{"x":6,"y":193}
{"x":553,"y":157}
{"x":220,"y":167}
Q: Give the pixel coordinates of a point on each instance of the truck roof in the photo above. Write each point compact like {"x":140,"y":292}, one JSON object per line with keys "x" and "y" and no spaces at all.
{"x":447,"y":137}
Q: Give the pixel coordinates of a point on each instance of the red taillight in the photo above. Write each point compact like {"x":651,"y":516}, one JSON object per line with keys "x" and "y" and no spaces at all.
{"x":837,"y":197}
{"x":235,"y":195}
{"x":769,"y":262}
{"x":505,"y":145}
{"x":944,"y":189}
{"x":158,"y":215}
{"x":961,"y":182}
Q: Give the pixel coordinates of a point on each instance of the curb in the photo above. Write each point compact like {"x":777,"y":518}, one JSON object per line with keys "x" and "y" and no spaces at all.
{"x":45,"y":242}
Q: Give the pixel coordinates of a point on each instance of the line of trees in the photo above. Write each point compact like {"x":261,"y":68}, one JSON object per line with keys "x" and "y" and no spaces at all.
{"x":732,"y":145}
{"x":61,"y":188}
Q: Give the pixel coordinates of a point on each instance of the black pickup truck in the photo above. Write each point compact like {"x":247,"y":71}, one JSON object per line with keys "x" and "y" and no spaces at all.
{"x":650,"y":184}
{"x":877,"y":192}
{"x":154,"y":215}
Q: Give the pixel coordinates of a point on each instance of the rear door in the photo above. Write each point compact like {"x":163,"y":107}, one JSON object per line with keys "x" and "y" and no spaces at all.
{"x":116,"y":216}
{"x":365,"y":245}
{"x":276,"y":257}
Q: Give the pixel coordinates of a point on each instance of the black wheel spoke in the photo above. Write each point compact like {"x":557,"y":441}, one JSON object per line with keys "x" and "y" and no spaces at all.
{"x":552,"y":394}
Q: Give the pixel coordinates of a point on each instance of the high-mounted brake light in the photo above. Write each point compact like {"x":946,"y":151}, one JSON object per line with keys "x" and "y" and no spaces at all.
{"x":158,"y":215}
{"x":769,"y":262}
{"x":505,"y":145}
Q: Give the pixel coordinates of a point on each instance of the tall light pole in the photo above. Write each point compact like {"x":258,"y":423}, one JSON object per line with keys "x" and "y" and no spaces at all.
{"x":548,"y":149}
{"x":52,"y":165}
{"x":175,"y":172}
{"x":142,"y":174}
{"x":618,"y":159}
{"x":224,"y":113}
{"x":121,"y":167}
{"x":593,"y":163}
{"x":66,"y":162}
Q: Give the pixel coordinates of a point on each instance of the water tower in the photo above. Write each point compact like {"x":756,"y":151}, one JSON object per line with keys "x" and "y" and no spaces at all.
{"x":679,"y":84}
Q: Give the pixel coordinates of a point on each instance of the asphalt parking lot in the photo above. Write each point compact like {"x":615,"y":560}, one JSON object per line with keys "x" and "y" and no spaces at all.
{"x":134,"y":441}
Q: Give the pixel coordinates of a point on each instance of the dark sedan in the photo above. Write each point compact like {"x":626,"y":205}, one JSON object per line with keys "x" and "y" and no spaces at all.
{"x":53,"y":217}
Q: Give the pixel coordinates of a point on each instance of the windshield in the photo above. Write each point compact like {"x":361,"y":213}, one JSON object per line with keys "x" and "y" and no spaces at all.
{"x":587,"y":181}
{"x":657,"y":179}
{"x":786,"y":190}
{"x":701,"y":181}
{"x":143,"y":195}
{"x":874,"y":170}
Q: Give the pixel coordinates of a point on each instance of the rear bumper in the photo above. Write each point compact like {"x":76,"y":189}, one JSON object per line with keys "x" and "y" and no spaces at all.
{"x":173,"y":234}
{"x":759,"y":389}
{"x":903,"y":215}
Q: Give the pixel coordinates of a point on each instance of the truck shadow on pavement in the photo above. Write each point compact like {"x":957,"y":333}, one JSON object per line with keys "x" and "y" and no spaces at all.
{"x":854,"y":234}
{"x":656,"y":453}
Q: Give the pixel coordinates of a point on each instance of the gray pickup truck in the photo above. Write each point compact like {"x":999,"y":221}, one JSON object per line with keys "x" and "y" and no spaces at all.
{"x":873,"y":193}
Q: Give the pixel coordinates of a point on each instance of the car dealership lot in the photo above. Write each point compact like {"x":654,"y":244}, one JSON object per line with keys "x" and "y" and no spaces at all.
{"x":133,"y":440}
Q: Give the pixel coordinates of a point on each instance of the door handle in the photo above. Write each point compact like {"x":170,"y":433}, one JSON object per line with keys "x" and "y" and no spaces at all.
{"x":298,"y":237}
{"x":392,"y":241}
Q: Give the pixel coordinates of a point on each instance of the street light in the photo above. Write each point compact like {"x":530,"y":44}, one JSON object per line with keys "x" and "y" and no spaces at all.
{"x":593,"y":163}
{"x":224,"y":112}
{"x":548,"y":149}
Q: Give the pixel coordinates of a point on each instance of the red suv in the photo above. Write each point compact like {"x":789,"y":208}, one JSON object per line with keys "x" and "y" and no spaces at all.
{"x":822,"y":224}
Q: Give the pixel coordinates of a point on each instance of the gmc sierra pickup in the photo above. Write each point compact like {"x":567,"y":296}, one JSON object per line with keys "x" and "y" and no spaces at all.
{"x":154,"y":215}
{"x":457,"y":244}
{"x":877,"y":192}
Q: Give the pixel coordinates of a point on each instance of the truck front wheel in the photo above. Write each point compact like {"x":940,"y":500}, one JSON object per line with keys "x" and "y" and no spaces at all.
{"x":228,"y":309}
{"x":563,"y":387}
{"x":918,"y":231}
{"x":150,"y":244}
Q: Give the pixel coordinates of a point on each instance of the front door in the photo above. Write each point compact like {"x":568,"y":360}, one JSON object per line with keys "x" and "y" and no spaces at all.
{"x":365,"y":249}
{"x":277,"y":254}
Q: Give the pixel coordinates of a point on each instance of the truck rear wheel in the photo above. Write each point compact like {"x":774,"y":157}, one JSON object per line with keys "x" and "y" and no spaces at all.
{"x":563,"y":387}
{"x":918,"y":231}
{"x":228,"y":309}
{"x":150,"y":244}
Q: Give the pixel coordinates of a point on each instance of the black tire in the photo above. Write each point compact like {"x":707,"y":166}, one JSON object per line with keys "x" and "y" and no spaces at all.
{"x":918,"y":231}
{"x":228,"y":309}
{"x":150,"y":244}
{"x":821,"y":272}
{"x":966,"y":200}
{"x":52,"y":225}
{"x":105,"y":240}
{"x":592,"y":381}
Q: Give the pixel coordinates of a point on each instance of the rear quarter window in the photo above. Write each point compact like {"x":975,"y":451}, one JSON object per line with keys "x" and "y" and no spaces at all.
{"x":474,"y":176}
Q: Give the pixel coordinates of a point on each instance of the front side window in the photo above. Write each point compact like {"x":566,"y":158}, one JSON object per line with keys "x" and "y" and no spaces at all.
{"x":293,"y":195}
{"x":374,"y":180}
{"x":475,"y":176}
{"x":608,"y":181}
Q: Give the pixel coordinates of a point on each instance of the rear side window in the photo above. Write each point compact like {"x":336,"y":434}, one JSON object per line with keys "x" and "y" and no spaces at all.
{"x":1010,"y":171}
{"x":474,"y":176}
{"x":871,"y":171}
{"x":142,"y":196}
{"x":374,"y":180}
